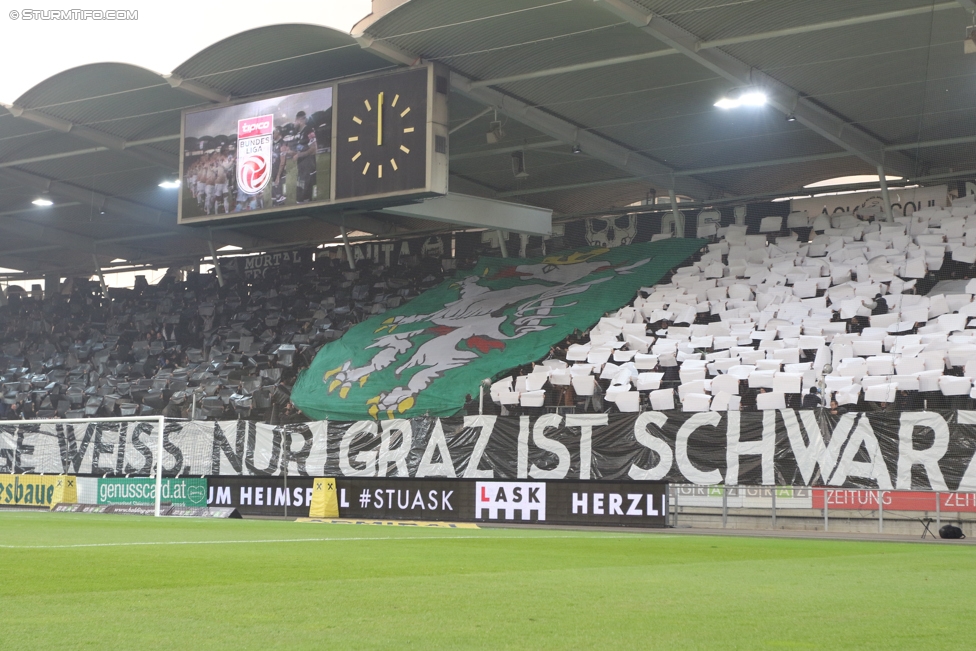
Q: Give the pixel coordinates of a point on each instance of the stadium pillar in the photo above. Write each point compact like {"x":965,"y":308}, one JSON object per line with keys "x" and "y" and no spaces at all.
{"x":216,"y":263}
{"x":52,"y":285}
{"x":502,"y":243}
{"x":679,"y":218}
{"x":348,"y":247}
{"x":101,"y":276}
{"x":884,"y":194}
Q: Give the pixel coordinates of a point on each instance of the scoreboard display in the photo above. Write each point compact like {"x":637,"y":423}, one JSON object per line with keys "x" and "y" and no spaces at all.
{"x":379,"y":139}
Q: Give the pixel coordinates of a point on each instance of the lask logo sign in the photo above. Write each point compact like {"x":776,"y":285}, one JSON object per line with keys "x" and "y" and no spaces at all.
{"x":254,"y":153}
{"x":510,"y":500}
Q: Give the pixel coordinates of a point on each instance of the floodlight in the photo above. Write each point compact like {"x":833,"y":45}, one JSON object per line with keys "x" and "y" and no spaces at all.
{"x":728,"y":103}
{"x":752,"y":98}
{"x":742,"y":97}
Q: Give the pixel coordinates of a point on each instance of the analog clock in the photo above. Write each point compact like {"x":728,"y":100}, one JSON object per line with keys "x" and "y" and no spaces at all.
{"x":381,"y":134}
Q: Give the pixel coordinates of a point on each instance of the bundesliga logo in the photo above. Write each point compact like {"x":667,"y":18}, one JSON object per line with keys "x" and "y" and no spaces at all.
{"x":253,"y":173}
{"x":254,"y":153}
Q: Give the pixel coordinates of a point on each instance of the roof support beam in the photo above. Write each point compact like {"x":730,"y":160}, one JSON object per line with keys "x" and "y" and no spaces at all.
{"x":578,"y":67}
{"x":359,"y":222}
{"x":636,"y":164}
{"x":106,"y":140}
{"x":466,"y":211}
{"x":782,"y":97}
{"x":26,"y":262}
{"x":469,"y":120}
{"x":545,"y":144}
{"x":830,"y":24}
{"x":701,"y":170}
{"x":640,"y":166}
{"x":767,"y":163}
{"x":498,"y":151}
{"x":196,"y":88}
{"x":149,"y":141}
{"x":162,"y":221}
{"x":91,"y":150}
{"x":969,"y":5}
{"x":59,"y":238}
{"x":942,"y":142}
{"x":569,"y":186}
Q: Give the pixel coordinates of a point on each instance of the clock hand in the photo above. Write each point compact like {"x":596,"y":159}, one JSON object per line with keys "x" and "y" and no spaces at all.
{"x":379,"y":121}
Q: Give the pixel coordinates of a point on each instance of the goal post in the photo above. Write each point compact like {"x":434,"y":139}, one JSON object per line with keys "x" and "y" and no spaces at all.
{"x":158,"y":421}
{"x":159,"y":465}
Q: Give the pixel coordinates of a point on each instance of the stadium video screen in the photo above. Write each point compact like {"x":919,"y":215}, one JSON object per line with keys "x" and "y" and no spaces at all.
{"x":256,"y":156}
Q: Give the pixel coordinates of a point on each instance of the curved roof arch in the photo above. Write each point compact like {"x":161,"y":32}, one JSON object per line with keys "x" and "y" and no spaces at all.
{"x":277,"y":57}
{"x":597,"y":77}
{"x":84,"y":82}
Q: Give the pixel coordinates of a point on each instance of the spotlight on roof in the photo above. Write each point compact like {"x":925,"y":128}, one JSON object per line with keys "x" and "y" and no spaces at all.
{"x":518,"y":165}
{"x":969,"y":45}
{"x":42,"y":202}
{"x":791,"y":118}
{"x":577,"y":149}
{"x":744,"y":97}
{"x":169,"y":185}
{"x":495,"y":132}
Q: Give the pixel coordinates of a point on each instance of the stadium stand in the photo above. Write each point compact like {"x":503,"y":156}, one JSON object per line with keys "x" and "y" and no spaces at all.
{"x":845,"y":312}
{"x":190,"y":348}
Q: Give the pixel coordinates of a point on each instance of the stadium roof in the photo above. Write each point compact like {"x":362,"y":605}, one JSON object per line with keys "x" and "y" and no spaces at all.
{"x":630,"y":84}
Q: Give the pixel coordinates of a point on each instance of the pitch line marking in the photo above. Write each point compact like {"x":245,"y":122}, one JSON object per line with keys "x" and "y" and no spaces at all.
{"x":296,"y":540}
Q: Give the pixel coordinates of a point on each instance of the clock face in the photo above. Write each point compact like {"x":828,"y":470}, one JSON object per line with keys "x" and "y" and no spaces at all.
{"x":381,"y":134}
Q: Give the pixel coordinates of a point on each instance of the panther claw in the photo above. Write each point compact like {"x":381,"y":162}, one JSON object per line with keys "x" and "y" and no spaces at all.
{"x":389,"y":404}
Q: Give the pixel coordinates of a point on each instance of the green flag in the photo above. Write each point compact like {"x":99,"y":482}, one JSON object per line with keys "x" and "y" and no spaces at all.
{"x":427,"y":355}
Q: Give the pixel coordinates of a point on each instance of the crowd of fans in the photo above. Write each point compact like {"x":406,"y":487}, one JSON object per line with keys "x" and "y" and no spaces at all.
{"x":188,"y":348}
{"x":840,"y":313}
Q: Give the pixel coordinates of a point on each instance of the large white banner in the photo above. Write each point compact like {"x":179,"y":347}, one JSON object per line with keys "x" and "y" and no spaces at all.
{"x":879,"y":450}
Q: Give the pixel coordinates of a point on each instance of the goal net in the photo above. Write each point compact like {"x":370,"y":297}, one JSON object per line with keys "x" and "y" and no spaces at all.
{"x":116,"y":461}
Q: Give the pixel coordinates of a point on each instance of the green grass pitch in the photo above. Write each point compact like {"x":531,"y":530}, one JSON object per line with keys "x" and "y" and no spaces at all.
{"x":73,"y":581}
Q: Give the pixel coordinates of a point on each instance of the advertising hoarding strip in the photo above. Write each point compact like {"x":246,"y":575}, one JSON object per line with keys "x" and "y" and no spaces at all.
{"x":36,"y":490}
{"x":138,"y":490}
